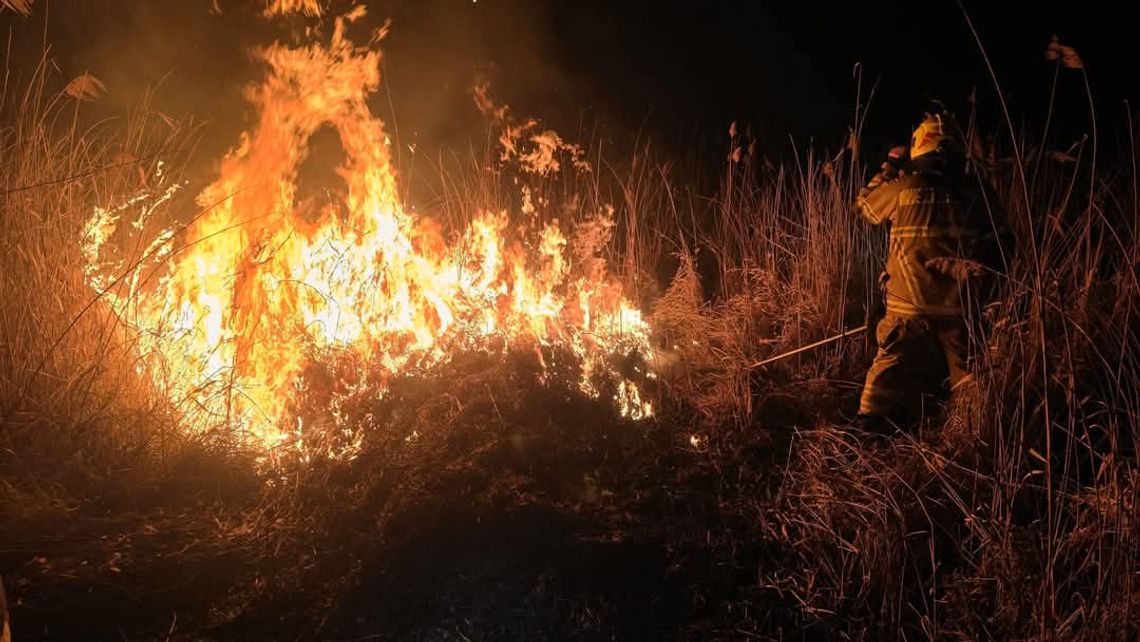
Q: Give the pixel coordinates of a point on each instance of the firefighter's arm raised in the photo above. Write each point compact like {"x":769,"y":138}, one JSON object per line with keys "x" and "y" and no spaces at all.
{"x":876,"y":201}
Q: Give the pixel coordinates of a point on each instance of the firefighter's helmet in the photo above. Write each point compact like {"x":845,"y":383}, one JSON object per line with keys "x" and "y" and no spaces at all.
{"x":936,"y":133}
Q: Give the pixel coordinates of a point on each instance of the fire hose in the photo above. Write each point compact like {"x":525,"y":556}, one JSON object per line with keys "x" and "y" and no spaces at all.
{"x":811,"y":346}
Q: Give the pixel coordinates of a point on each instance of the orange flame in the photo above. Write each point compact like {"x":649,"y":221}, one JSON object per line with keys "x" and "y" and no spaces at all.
{"x":258,"y":286}
{"x":283,"y":7}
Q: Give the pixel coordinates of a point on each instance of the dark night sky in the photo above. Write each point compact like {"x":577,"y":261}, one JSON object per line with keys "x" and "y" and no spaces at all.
{"x":678,"y":72}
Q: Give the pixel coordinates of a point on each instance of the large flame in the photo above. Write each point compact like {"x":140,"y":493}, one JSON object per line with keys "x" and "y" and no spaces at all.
{"x":258,"y":284}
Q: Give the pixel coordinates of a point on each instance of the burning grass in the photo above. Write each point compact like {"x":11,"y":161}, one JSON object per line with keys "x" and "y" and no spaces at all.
{"x":228,"y":308}
{"x":499,"y":492}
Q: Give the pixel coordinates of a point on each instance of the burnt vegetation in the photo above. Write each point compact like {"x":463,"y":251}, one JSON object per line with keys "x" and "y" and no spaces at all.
{"x":491,"y":499}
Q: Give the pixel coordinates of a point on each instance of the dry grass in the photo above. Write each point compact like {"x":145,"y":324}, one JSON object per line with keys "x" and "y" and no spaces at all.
{"x":1010,"y":515}
{"x":66,"y":375}
{"x":23,"y":7}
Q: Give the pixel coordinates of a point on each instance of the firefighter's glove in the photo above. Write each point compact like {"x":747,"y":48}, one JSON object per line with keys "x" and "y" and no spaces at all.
{"x":893,"y":166}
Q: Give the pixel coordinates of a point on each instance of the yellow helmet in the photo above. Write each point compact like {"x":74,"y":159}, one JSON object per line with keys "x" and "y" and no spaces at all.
{"x":936,"y":133}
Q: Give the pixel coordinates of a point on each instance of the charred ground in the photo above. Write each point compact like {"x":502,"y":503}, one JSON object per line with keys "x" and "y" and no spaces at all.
{"x":518,"y":510}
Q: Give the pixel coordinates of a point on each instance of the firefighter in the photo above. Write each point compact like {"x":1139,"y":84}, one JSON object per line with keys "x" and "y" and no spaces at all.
{"x":945,"y":239}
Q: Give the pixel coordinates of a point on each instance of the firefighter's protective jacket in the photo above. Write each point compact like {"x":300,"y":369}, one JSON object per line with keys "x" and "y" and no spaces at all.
{"x":936,"y":221}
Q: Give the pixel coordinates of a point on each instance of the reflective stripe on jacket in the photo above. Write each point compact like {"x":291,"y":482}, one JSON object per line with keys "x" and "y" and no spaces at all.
{"x":934,"y":218}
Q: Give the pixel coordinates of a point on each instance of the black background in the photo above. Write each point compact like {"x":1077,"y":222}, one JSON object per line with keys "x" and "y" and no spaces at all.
{"x":620,"y":70}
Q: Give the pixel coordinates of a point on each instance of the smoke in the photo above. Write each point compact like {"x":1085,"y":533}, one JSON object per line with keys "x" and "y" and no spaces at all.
{"x":192,"y":58}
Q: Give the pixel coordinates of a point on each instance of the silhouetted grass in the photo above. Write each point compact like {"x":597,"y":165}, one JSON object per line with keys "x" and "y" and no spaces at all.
{"x":1008,"y":514}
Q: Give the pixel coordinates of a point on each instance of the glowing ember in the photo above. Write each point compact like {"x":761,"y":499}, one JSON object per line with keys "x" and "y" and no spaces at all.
{"x":227,"y":316}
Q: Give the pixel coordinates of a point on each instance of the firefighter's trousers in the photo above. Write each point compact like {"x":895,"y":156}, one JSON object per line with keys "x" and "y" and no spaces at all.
{"x":916,"y":355}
